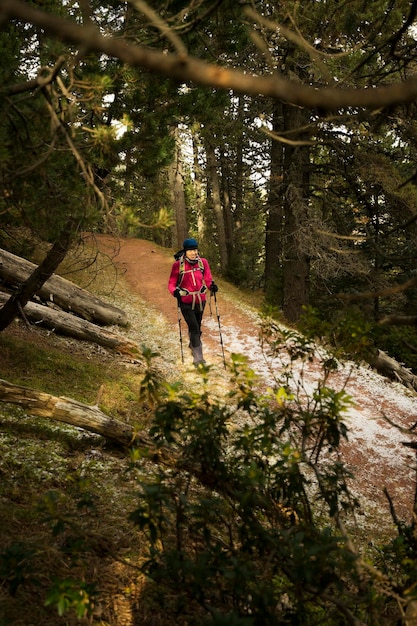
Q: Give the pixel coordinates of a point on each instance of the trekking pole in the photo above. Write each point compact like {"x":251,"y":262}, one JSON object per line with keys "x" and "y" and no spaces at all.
{"x":179,"y":327}
{"x":220,"y":330}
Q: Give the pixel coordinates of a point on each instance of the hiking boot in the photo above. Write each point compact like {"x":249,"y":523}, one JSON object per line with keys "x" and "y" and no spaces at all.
{"x":198,"y":355}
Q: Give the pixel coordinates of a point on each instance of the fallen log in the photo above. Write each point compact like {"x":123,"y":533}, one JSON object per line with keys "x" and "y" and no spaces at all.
{"x":398,"y":320}
{"x":389,"y":367}
{"x":72,"y":326}
{"x":91,"y":419}
{"x":72,"y":412}
{"x":65,"y":410}
{"x":62,"y":292}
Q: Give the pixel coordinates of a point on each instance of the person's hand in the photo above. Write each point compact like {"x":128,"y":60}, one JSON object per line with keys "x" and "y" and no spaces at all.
{"x":180,"y":292}
{"x":214,"y":288}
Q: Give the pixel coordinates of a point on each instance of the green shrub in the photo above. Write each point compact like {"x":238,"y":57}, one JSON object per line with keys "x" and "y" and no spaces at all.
{"x":250,"y":528}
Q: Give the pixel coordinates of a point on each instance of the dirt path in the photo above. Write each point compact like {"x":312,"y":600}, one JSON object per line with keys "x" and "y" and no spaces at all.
{"x":375,"y":452}
{"x":146,"y":268}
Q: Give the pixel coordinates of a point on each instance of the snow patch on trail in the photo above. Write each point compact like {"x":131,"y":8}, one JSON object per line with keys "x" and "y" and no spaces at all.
{"x":374,"y":451}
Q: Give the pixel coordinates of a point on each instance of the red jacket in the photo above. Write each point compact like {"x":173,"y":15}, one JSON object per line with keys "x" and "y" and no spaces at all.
{"x":194,"y":279}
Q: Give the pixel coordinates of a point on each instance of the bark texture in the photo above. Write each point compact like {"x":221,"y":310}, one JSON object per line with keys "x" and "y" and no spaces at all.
{"x":91,"y":419}
{"x":64,"y":293}
{"x":387,"y":366}
{"x":69,"y":411}
{"x":40,"y":274}
{"x":72,"y":326}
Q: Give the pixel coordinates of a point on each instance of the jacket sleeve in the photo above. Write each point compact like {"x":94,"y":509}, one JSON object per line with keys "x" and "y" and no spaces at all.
{"x":173,"y":279}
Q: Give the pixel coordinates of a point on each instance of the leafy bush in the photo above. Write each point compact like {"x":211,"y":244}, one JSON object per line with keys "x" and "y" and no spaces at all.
{"x":74,"y":595}
{"x":250,"y":526}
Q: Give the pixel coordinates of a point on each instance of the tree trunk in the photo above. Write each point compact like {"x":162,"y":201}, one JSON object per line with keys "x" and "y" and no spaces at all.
{"x":212,"y":176}
{"x":38,"y":276}
{"x":65,"y":410}
{"x":62,"y":292}
{"x":240,"y":178}
{"x":176,"y":183}
{"x":198,"y":186}
{"x":274,"y":224}
{"x":389,"y":367}
{"x":233,"y":181}
{"x":93,"y":420}
{"x":227,"y":207}
{"x":296,"y":265}
{"x":72,"y":326}
{"x":398,"y":320}
{"x":69,"y":411}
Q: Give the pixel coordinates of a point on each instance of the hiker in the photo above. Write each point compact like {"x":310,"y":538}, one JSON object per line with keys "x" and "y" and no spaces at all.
{"x":189,"y":282}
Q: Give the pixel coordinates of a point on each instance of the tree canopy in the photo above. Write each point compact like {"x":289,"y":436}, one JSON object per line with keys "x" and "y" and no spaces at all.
{"x":281,"y":136}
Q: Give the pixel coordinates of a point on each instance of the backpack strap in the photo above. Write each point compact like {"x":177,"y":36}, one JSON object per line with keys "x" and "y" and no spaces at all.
{"x":181,"y":271}
{"x":195,"y":294}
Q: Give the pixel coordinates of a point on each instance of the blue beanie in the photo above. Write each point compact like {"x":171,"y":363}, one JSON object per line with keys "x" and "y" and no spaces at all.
{"x":190,"y":244}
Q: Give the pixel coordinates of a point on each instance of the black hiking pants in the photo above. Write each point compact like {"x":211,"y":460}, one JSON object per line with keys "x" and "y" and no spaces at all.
{"x":193,"y":319}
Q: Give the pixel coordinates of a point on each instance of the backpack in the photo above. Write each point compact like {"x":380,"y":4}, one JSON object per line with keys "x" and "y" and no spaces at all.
{"x":180,"y":256}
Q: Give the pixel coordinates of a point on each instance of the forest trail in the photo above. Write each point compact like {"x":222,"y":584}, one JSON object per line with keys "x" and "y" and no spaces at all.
{"x":146,"y":268}
{"x":374,"y":453}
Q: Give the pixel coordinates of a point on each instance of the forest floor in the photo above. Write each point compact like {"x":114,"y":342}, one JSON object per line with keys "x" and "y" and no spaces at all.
{"x":374,"y":451}
{"x":39,"y":458}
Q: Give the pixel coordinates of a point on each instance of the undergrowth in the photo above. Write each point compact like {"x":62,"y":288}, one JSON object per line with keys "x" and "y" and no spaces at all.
{"x":237,"y":512}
